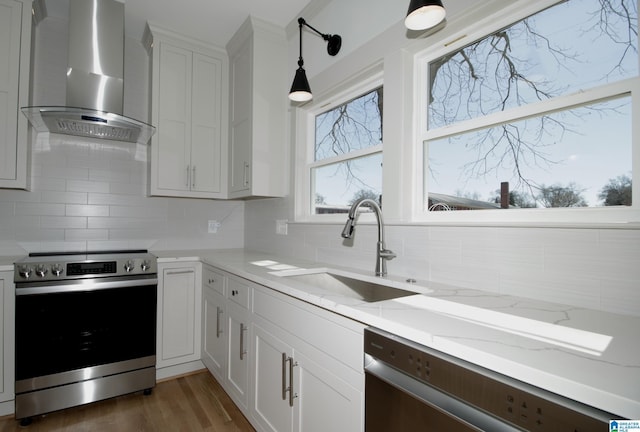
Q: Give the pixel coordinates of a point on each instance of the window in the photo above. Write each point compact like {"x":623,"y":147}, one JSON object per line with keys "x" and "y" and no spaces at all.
{"x":537,"y":114}
{"x":347,"y":153}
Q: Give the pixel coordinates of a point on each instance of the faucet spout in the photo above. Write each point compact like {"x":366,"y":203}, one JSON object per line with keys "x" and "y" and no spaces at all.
{"x":382,"y":253}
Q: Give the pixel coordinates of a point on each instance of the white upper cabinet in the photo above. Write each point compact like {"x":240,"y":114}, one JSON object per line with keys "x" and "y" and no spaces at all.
{"x":258,"y":158}
{"x":189,"y":100}
{"x":15,"y":49}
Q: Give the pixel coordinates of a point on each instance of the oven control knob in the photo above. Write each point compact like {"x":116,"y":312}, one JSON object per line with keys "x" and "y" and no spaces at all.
{"x":145,"y":265}
{"x":41,"y":270}
{"x":25,"y":271}
{"x":129,"y":265}
{"x":56,"y":269}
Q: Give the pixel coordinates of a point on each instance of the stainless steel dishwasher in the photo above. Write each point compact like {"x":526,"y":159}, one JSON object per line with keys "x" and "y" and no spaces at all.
{"x":410,"y":387}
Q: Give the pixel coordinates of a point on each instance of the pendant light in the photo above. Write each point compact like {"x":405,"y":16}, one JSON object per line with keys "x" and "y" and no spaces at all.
{"x":300,"y":89}
{"x":423,"y":14}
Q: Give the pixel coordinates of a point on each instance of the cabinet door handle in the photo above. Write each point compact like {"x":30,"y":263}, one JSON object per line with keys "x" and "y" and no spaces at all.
{"x":284,"y":376}
{"x":179,"y":272}
{"x":188,"y":176}
{"x":211,"y":281}
{"x":193,"y":177}
{"x":243,"y":351}
{"x":218,"y":329}
{"x":245,"y":180}
{"x":292,"y":395}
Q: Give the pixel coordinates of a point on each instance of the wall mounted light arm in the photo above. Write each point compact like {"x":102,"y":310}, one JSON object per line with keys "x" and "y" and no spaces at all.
{"x":300,"y":89}
{"x":334,"y":42}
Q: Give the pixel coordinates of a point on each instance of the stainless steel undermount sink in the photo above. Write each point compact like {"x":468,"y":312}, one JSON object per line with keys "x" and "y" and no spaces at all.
{"x":360,"y":287}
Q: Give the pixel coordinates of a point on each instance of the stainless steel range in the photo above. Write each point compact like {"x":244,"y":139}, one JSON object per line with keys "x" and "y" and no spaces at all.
{"x":85,"y":328}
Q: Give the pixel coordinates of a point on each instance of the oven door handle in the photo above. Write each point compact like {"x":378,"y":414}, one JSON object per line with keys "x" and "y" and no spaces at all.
{"x":83,"y":285}
{"x":436,"y":399}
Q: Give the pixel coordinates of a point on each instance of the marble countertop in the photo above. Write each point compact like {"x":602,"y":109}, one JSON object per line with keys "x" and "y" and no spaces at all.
{"x":589,"y":356}
{"x":6,"y":262}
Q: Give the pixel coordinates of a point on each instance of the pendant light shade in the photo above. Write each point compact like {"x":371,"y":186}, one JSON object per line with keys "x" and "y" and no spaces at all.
{"x":424,"y":14}
{"x":300,"y":89}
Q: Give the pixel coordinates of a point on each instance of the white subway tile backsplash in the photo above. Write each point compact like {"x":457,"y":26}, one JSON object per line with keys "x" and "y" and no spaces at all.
{"x":126,"y":223}
{"x":64,"y":197}
{"x":42,"y":209}
{"x":48,"y":222}
{"x":85,"y":234}
{"x":147,"y":211}
{"x":49,"y":184}
{"x":87,"y":210}
{"x":87,"y":186}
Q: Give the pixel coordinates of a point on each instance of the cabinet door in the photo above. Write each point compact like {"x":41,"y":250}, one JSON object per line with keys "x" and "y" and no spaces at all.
{"x":179,"y":316}
{"x":14,"y":78}
{"x":214,"y":334}
{"x":7,"y":345}
{"x":270,"y":408}
{"x":241,"y":122}
{"x":174,"y":119}
{"x":324,"y":402}
{"x":238,"y":354}
{"x":206,"y":134}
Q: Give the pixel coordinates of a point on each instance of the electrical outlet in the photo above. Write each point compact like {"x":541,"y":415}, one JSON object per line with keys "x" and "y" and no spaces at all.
{"x":213,"y":226}
{"x":281,"y":226}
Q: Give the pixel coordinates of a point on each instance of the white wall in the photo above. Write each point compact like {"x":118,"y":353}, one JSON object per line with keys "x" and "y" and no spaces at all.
{"x":586,"y":267}
{"x":92,"y":194}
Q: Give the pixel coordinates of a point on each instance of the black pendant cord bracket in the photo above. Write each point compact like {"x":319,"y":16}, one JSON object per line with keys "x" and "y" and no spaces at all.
{"x":334,"y":42}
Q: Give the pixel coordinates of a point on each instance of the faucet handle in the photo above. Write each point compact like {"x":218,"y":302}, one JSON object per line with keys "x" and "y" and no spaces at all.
{"x":387,"y":254}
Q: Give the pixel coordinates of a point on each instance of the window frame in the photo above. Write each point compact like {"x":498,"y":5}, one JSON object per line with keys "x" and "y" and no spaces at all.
{"x":305,"y":150}
{"x":559,"y":216}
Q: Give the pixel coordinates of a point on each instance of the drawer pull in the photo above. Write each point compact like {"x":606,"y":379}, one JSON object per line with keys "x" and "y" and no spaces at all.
{"x":243,"y":351}
{"x":179,"y":272}
{"x":218,"y":329}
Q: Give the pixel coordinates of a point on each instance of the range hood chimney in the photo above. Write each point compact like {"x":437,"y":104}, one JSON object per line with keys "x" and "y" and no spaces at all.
{"x":95,"y":79}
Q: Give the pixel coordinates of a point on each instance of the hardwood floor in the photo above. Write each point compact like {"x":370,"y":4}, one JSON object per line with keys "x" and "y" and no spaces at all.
{"x":191,"y":403}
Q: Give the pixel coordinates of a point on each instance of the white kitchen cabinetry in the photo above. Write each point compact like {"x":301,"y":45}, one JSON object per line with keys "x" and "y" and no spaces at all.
{"x":307,"y":366}
{"x":179,"y":314}
{"x":189,"y":101}
{"x":225,"y":335}
{"x":15,"y":49}
{"x":7,"y":323}
{"x":239,"y":354}
{"x":259,"y":73}
{"x":214,"y":335}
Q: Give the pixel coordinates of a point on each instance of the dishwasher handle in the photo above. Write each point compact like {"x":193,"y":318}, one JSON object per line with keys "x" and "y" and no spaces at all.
{"x":430,"y":396}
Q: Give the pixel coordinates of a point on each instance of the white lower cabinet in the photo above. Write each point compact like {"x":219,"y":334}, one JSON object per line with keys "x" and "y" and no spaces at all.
{"x":288,"y":365}
{"x":298,"y":387}
{"x":238,"y":355}
{"x":225,"y":333}
{"x":7,"y":346}
{"x":179,"y":313}
{"x":214,"y":335}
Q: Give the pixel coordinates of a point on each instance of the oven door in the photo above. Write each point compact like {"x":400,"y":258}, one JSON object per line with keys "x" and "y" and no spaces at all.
{"x":395,"y":401}
{"x":82,"y":325}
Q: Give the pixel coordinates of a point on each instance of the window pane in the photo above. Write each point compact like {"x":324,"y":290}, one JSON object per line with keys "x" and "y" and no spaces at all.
{"x":576,"y":158}
{"x":574,"y":45}
{"x":352,"y":126}
{"x":338,"y":185}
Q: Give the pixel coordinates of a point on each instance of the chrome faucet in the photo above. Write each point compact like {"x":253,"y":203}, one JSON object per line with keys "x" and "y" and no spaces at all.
{"x":382,"y":254}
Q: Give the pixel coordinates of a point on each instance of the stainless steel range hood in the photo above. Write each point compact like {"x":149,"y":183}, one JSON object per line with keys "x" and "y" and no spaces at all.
{"x":95,"y":79}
